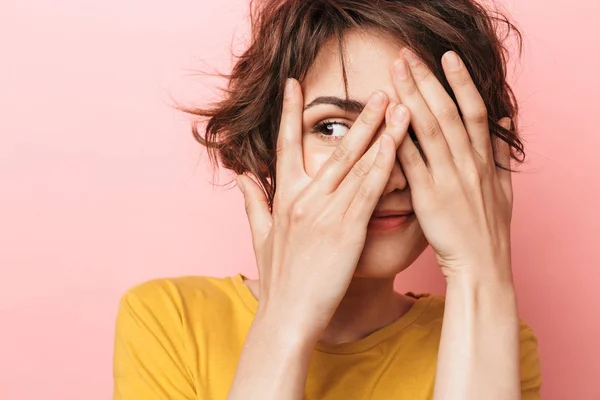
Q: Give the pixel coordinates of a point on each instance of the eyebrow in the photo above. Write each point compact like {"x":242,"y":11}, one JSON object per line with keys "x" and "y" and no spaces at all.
{"x":348,"y":105}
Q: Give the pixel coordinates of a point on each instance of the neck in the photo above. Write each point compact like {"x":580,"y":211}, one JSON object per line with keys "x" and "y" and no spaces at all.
{"x":369,"y":305}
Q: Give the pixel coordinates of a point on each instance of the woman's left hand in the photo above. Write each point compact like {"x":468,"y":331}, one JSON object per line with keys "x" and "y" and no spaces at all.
{"x":462,"y":201}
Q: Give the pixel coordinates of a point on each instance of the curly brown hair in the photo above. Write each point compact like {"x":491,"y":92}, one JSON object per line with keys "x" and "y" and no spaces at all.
{"x":242,"y":128}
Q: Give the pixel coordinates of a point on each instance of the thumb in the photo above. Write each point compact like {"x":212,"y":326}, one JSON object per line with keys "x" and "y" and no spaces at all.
{"x":257,"y":208}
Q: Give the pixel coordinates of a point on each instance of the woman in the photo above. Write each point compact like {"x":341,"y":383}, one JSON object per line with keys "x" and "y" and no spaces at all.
{"x":363,"y":157}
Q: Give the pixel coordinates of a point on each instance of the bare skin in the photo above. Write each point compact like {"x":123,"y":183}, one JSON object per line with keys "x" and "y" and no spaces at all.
{"x":382,"y":258}
{"x":319,"y":263}
{"x":358,"y":316}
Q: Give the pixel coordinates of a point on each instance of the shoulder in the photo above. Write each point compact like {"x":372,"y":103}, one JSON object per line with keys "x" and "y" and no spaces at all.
{"x":162,"y":313}
{"x":154,"y":334}
{"x":185,"y":285}
{"x":177,"y":291}
{"x":173,"y":303}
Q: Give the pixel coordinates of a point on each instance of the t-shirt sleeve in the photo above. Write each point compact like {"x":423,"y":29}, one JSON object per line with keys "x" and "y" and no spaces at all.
{"x":531,"y":374}
{"x":149,"y":350}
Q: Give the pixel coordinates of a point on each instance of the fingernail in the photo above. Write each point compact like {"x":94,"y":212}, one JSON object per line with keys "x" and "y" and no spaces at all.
{"x":452,"y":61}
{"x":398,"y":114}
{"x":376,"y":99}
{"x":289,"y":88}
{"x":239,"y":184}
{"x":400,"y":68}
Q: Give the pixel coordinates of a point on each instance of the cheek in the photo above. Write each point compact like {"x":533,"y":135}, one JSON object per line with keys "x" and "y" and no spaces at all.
{"x":315,"y":156}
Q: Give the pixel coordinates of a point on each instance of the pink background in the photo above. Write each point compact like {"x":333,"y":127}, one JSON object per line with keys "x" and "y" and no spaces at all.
{"x":102,"y":185}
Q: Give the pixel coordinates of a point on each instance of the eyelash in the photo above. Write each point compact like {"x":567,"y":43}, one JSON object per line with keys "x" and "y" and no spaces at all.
{"x":322,"y":127}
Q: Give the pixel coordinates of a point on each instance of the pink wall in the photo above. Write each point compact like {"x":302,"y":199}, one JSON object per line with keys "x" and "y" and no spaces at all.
{"x":103,"y":187}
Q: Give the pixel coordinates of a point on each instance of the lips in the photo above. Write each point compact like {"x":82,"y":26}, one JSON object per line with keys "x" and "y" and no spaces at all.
{"x":391,"y":213}
{"x":390,"y":220}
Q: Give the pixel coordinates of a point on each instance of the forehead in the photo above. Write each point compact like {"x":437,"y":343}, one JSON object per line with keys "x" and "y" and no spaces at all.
{"x":368,"y":57}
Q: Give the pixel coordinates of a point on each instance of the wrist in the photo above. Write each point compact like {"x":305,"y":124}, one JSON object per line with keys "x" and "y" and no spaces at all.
{"x":488,"y":292}
{"x":274,"y":361}
{"x":482,"y":274}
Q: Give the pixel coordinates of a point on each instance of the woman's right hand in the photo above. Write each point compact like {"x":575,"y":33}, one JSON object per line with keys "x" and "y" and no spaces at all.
{"x":307,"y":249}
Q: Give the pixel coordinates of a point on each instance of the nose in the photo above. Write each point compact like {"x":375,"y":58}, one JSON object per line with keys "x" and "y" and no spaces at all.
{"x":397,"y":180}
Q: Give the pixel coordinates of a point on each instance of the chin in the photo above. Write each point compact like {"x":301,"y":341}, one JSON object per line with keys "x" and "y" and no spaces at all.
{"x":386,"y":254}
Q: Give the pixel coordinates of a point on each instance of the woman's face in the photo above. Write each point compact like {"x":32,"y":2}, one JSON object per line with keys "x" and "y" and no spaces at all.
{"x":368,"y":58}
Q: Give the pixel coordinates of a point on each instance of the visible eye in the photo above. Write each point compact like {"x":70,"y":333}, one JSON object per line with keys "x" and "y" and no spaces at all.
{"x":331,"y":130}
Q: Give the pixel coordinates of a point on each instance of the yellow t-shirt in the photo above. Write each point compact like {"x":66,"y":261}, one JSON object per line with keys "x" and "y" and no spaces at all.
{"x":181,"y":339}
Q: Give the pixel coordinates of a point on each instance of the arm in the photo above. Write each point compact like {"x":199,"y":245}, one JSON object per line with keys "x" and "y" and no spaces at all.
{"x":274,"y":361}
{"x":308,"y":247}
{"x":479,"y":347}
{"x":463,"y":201}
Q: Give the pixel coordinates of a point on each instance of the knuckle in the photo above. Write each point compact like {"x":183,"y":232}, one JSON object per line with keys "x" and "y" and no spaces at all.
{"x":365,"y":192}
{"x":360,"y":169}
{"x":480,"y":115}
{"x":422,"y":75}
{"x":297,"y":212}
{"x":449,"y":113}
{"x":341,"y":154}
{"x":431,"y":130}
{"x":413,"y":158}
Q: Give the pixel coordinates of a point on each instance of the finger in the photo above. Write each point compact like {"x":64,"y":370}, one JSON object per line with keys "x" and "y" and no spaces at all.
{"x":352,"y":147}
{"x":471,"y":104}
{"x":397,"y":120}
{"x":444,"y":111}
{"x":290,"y":163}
{"x":502,"y":155}
{"x":257,"y":209}
{"x":365,"y":198}
{"x":427,"y":130}
{"x":396,"y":127}
{"x":413,"y":165}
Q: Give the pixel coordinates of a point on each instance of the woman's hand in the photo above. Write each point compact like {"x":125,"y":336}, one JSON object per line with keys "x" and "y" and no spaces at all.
{"x":462,"y":201}
{"x":308,"y":248}
{"x":464,"y":206}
